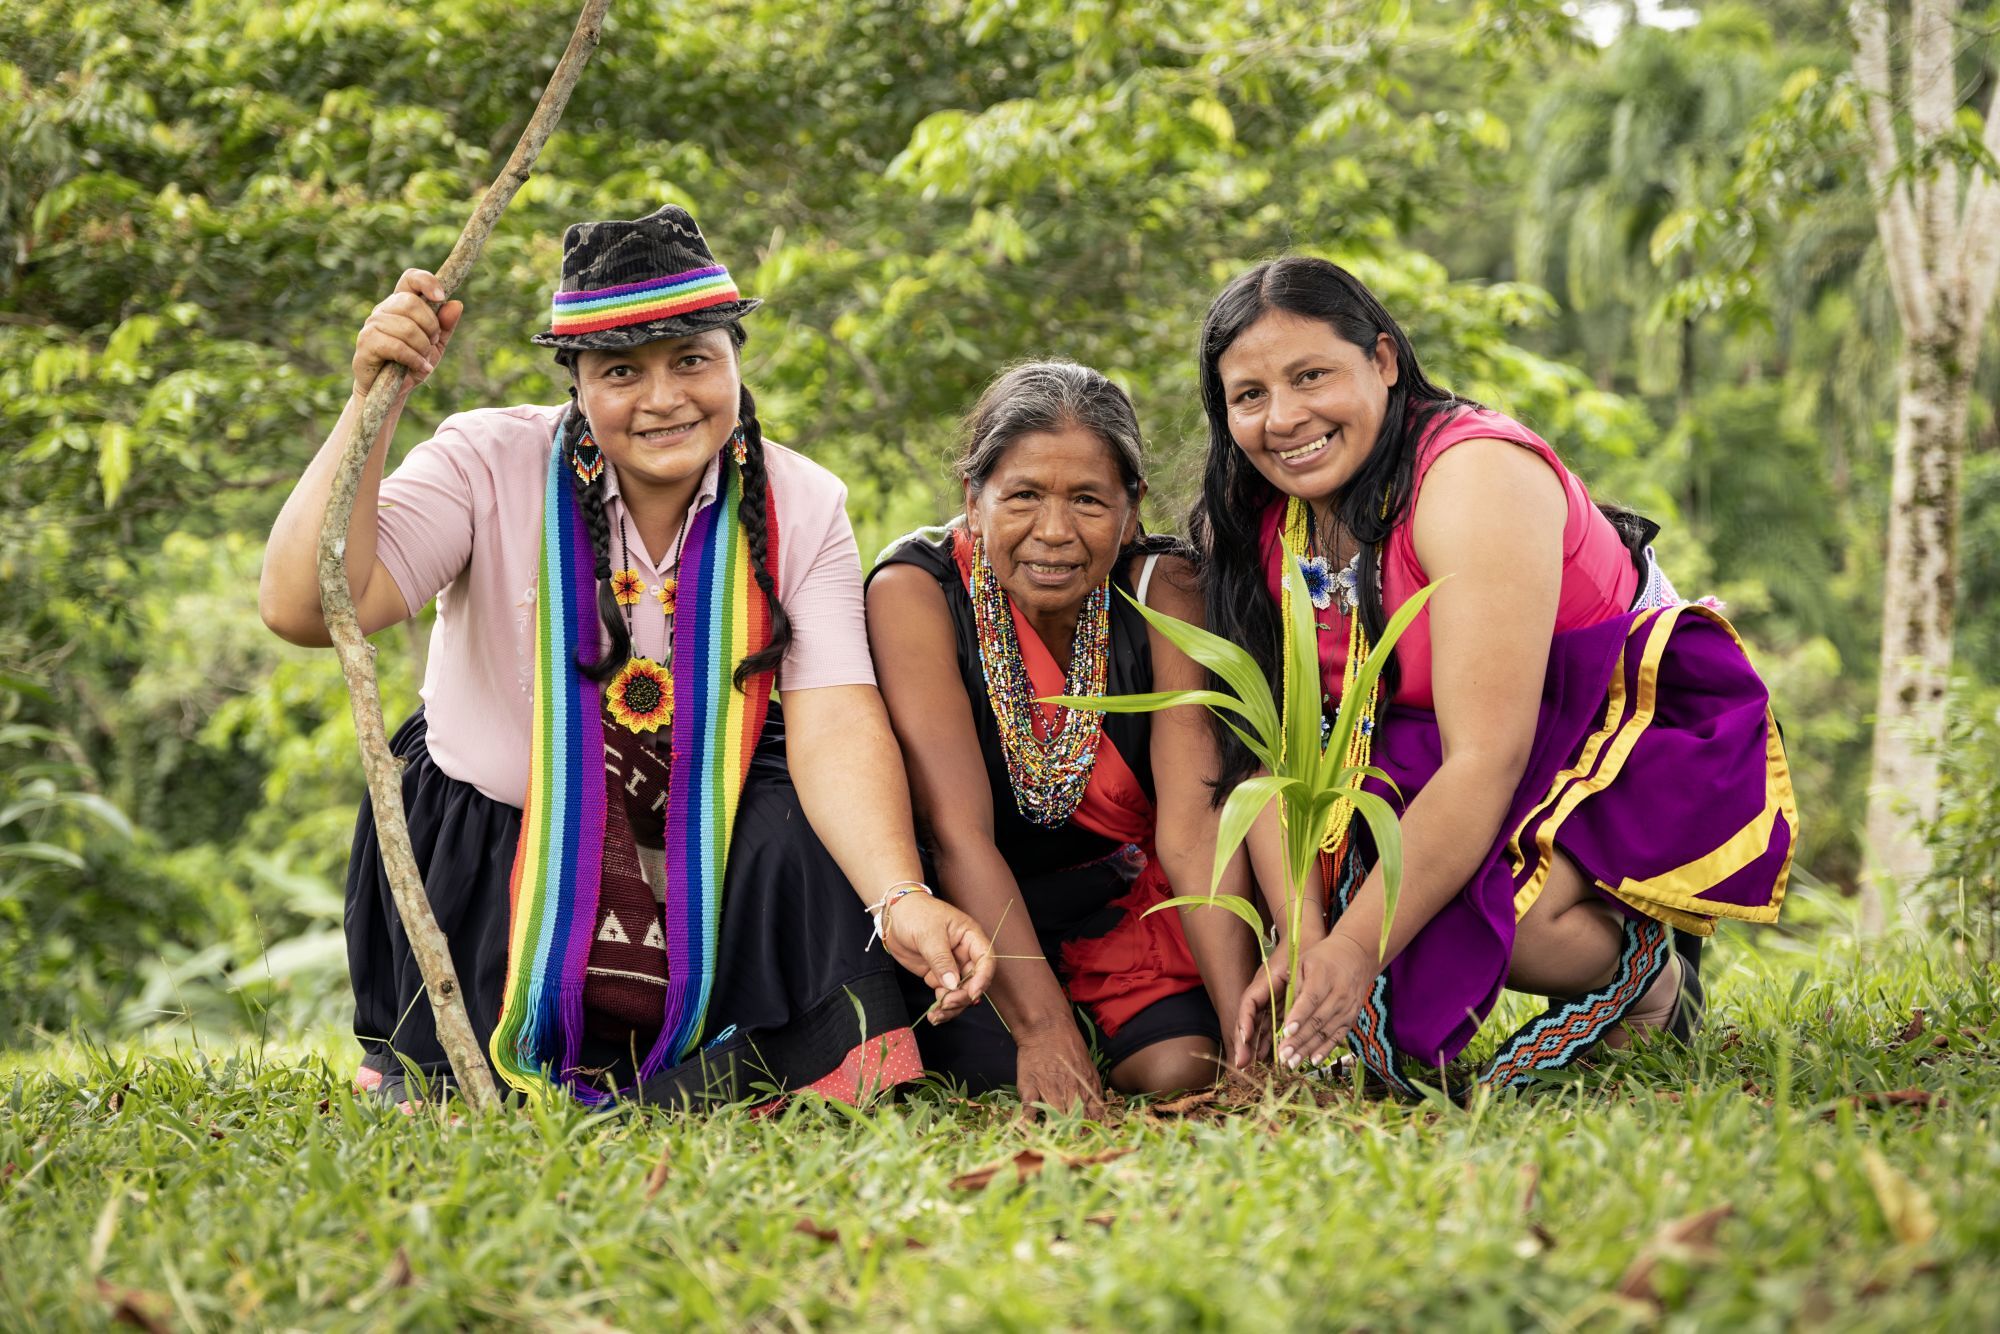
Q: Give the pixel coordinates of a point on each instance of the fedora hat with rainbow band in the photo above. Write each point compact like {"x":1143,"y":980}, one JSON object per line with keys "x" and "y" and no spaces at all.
{"x":627,"y":283}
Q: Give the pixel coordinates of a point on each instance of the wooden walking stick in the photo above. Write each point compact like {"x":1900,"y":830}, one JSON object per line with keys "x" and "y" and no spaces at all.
{"x":357,"y":655}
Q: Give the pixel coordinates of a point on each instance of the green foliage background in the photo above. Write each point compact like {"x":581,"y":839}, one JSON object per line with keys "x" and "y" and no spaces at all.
{"x":1659,"y":254}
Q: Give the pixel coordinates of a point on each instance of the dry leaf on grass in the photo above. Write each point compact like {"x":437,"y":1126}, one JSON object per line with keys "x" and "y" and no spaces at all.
{"x":1687,"y":1239}
{"x":1921,"y":1099}
{"x":1906,"y":1206}
{"x":658,"y":1176}
{"x":1912,"y":1030}
{"x":398,"y":1275}
{"x":807,"y":1227}
{"x":1029,"y":1163}
{"x":1181,"y":1106}
{"x":129,"y":1306}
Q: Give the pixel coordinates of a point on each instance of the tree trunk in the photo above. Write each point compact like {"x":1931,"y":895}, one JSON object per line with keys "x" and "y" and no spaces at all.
{"x":1918,"y":589}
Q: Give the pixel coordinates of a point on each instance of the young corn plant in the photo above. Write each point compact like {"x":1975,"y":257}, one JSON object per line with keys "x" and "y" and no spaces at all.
{"x":1305,"y":778}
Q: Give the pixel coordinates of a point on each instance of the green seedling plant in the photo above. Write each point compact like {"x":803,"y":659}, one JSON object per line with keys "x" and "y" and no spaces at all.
{"x":1305,"y":779}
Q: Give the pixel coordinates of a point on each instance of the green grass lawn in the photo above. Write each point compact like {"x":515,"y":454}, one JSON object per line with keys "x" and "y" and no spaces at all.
{"x":1757,"y":1180}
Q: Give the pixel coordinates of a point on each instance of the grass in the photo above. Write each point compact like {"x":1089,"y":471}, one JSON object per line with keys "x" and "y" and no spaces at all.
{"x":1739,"y":1183}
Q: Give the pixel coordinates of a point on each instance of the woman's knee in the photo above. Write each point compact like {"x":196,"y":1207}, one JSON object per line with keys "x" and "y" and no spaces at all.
{"x":1568,"y":941}
{"x":1168,"y":1066}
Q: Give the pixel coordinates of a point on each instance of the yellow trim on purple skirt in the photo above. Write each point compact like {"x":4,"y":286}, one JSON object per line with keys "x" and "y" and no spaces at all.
{"x":1674,"y":896}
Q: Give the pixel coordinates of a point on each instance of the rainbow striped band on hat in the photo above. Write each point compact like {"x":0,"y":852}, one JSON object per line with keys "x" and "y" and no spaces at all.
{"x":640,"y":303}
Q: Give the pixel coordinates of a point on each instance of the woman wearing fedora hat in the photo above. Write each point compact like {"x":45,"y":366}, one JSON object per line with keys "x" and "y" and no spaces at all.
{"x":657,"y":881}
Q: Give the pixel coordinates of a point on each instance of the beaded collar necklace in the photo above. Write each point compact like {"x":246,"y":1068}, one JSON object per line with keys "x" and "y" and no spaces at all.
{"x":1048,"y":776}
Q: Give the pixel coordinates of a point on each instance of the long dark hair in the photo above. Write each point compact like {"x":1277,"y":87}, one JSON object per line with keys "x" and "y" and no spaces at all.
{"x":590,"y":499}
{"x":1225,"y":522}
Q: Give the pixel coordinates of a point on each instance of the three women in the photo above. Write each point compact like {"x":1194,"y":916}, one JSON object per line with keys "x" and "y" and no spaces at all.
{"x":651,"y":872}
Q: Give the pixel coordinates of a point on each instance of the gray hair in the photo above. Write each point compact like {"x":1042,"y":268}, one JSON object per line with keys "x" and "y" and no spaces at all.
{"x":1042,"y":396}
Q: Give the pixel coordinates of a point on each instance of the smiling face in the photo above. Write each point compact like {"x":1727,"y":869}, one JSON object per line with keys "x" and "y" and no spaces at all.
{"x":1305,"y":405}
{"x":1053,"y":514}
{"x":661,"y":411}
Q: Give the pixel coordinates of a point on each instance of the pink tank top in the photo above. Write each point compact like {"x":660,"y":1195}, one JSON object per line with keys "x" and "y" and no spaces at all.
{"x":1598,"y":577}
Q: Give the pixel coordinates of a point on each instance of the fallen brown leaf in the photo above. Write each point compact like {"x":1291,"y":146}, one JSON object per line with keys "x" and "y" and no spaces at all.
{"x":814,"y":1230}
{"x":1029,"y":1163}
{"x":1912,"y":1030}
{"x":1698,"y":1230}
{"x":1531,"y":1180}
{"x":1101,"y":1220}
{"x":129,"y":1306}
{"x":1183,"y":1105}
{"x":658,"y":1176}
{"x":1921,"y":1099}
{"x":1690,"y":1238}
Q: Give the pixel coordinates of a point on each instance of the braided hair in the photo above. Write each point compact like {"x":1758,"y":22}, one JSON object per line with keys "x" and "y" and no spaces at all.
{"x":757,"y":528}
{"x":1225,"y":522}
{"x":590,"y":499}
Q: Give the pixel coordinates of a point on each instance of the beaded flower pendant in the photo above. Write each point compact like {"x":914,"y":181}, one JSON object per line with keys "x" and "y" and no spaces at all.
{"x":641,"y":696}
{"x":626,"y":586}
{"x":668,"y":593}
{"x":1319,"y":581}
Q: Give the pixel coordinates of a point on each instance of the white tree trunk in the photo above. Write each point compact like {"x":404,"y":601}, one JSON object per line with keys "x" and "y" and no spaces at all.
{"x":1942,"y":251}
{"x":1919,"y":587}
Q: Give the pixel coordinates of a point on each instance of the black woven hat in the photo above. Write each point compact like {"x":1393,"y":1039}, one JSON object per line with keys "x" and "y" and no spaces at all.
{"x":627,"y":283}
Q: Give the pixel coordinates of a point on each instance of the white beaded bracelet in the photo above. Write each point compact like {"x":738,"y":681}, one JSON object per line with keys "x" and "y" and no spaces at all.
{"x":879,"y":910}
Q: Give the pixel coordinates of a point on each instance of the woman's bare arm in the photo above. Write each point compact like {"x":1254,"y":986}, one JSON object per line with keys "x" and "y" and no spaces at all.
{"x":849,"y":777}
{"x":1489,"y":525}
{"x":403,"y":329}
{"x":1491,"y":622}
{"x":1184,"y":765}
{"x":916,"y":655}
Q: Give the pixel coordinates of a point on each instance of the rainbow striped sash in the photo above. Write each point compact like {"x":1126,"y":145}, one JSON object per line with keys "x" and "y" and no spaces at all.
{"x":721,"y":617}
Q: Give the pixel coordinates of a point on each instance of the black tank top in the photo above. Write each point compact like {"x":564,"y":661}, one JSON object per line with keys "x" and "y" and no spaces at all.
{"x":1032,"y":849}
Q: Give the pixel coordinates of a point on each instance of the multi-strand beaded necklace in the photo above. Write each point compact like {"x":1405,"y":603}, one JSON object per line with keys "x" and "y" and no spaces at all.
{"x":1298,"y":542}
{"x":1048,"y":777}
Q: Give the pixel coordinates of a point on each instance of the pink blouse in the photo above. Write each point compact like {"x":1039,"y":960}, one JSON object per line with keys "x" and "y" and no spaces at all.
{"x":1598,"y":576}
{"x":461,"y":521}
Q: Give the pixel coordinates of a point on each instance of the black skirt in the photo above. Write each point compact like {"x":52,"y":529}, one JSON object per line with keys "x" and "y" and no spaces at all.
{"x":799,"y":1000}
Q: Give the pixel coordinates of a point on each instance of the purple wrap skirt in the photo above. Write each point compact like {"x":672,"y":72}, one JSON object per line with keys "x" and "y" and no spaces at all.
{"x":1657,"y":768}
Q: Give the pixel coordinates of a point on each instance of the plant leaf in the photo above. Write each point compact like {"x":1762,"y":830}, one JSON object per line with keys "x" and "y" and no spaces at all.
{"x":1382,"y":823}
{"x":1265,"y":755}
{"x":1241,"y":907}
{"x":1348,"y":715}
{"x":1148,"y":702}
{"x":1228,"y":661}
{"x":1302,"y":707}
{"x":1240,"y":813}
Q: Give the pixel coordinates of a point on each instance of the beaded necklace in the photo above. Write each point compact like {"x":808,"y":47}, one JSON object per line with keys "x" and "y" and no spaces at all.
{"x":1048,"y":777}
{"x":641,"y":695}
{"x":1298,"y":544}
